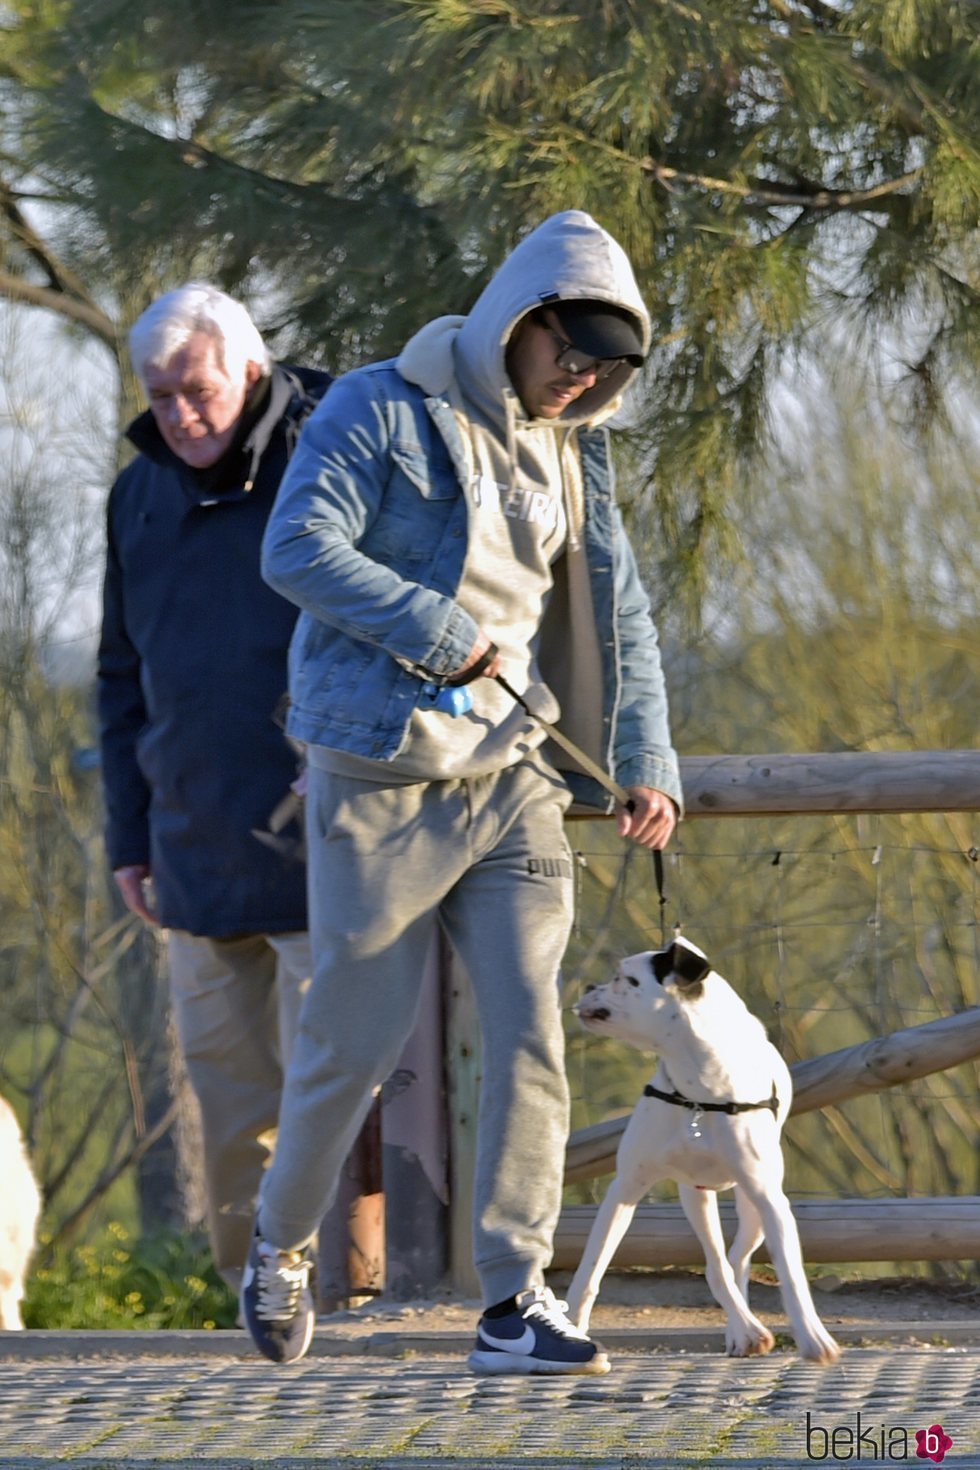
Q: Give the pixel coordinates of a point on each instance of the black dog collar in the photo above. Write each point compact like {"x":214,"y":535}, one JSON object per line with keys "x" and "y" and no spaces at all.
{"x":680,"y":1101}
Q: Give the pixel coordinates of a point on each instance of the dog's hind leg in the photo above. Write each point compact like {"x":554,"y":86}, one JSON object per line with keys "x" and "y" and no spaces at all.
{"x":783,"y":1241}
{"x":610,"y":1225}
{"x":745,"y":1335}
{"x":748,"y":1238}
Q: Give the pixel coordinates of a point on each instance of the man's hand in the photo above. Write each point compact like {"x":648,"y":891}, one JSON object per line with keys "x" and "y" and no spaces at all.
{"x":132,"y":882}
{"x":652,"y":820}
{"x":482,"y":645}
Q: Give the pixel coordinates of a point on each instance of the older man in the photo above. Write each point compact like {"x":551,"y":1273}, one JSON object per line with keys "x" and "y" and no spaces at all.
{"x":192,"y":667}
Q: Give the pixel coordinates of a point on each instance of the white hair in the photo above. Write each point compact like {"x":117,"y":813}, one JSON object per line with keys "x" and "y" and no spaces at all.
{"x":165,"y":326}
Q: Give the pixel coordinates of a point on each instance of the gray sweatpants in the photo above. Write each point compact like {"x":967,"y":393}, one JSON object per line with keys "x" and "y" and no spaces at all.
{"x":487,"y":858}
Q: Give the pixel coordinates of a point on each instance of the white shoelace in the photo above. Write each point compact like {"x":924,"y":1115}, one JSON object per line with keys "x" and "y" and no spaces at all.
{"x":545,"y":1307}
{"x":282,"y":1277}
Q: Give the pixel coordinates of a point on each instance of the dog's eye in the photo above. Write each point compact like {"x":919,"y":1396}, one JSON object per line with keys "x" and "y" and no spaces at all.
{"x":633,"y":981}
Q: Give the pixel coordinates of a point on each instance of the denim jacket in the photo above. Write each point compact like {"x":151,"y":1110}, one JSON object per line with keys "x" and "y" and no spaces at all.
{"x":368,"y":537}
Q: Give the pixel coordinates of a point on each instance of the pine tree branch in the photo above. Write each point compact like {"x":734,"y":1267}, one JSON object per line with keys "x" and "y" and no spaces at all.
{"x":60,"y":278}
{"x":196,"y":155}
{"x":15,"y":288}
{"x":766,"y":192}
{"x":65,"y":292}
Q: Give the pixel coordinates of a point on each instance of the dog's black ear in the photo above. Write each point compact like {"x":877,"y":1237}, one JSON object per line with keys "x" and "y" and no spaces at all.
{"x":689,"y":968}
{"x":661,"y":963}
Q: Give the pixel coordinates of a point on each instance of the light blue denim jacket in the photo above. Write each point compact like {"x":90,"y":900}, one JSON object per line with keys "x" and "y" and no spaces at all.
{"x":368,"y":537}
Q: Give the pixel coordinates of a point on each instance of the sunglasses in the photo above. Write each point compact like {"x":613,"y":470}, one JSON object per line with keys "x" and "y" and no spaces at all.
{"x":570,"y":360}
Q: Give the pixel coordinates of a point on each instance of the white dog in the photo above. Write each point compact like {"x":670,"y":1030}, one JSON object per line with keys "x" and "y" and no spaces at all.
{"x":711,"y":1119}
{"x":20,"y":1205}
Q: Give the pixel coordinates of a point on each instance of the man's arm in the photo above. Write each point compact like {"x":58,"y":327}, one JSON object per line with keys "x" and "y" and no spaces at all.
{"x":645,"y":759}
{"x":122,"y":715}
{"x":327,"y":502}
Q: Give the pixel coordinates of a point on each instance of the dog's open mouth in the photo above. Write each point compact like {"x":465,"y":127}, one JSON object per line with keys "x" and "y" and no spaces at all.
{"x":600,"y":1013}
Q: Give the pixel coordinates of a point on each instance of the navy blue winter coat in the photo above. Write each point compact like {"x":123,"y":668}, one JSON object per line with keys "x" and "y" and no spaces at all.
{"x":192,"y":670}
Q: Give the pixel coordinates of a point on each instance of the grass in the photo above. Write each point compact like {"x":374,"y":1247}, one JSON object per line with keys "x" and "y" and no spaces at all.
{"x":166,"y":1281}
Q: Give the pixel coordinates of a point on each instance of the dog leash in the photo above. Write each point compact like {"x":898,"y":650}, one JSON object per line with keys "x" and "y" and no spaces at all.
{"x":594,"y":770}
{"x":569,"y":746}
{"x":453,"y":698}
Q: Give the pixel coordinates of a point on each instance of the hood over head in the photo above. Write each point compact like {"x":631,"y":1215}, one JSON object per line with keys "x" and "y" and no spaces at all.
{"x":568,"y":258}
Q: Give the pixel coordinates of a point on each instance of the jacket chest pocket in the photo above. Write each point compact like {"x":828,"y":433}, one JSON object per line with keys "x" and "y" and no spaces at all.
{"x":421,"y":495}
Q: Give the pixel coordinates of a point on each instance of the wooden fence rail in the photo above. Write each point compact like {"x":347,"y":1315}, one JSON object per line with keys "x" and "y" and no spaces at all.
{"x":830,"y":1230}
{"x":844,"y":781}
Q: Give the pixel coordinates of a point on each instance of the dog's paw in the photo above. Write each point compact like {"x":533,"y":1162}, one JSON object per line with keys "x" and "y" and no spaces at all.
{"x":818,"y":1346}
{"x":749,"y":1342}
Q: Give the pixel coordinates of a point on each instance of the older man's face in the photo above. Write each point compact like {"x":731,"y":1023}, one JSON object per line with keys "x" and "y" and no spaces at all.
{"x":195,"y":403}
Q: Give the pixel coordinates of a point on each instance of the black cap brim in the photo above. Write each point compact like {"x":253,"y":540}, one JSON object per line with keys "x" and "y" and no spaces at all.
{"x":600,"y":330}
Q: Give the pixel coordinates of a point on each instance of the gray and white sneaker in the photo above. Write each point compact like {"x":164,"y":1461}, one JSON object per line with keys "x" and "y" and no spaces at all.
{"x":536,"y":1337}
{"x":277,"y":1301}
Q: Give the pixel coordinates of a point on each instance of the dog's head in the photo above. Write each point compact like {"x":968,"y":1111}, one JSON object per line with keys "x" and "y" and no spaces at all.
{"x":642,"y":1001}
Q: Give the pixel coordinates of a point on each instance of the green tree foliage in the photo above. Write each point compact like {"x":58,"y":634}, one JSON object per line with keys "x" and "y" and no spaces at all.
{"x":358,"y":165}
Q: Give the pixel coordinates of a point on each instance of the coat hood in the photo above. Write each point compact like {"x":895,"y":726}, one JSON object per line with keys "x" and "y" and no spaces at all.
{"x":570,"y":258}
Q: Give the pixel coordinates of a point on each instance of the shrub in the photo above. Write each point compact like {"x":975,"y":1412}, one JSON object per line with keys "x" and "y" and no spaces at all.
{"x":165,"y":1281}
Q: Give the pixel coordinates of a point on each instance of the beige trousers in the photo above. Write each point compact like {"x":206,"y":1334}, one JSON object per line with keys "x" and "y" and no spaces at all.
{"x":236,"y":1007}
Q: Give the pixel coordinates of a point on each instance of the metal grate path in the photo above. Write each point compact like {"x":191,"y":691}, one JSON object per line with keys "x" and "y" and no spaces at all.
{"x":652,"y":1412}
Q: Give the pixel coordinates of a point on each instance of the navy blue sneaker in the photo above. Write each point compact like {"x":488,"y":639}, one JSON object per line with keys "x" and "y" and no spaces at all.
{"x":277,"y":1301}
{"x":536,"y":1337}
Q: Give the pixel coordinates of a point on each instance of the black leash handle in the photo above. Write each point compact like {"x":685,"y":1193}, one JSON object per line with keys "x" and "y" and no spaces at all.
{"x":584,"y":760}
{"x":658,"y":876}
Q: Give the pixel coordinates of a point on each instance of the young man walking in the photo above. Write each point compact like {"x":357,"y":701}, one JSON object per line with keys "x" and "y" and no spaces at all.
{"x":449,"y":516}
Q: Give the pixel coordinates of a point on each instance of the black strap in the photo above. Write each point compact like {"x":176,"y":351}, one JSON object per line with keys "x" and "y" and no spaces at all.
{"x":483,"y":662}
{"x":658,"y":874}
{"x":680,"y":1101}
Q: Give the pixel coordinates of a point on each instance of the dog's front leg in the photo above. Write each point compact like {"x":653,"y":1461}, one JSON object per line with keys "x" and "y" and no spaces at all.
{"x":610,"y":1225}
{"x":745,"y":1335}
{"x":783,"y":1240}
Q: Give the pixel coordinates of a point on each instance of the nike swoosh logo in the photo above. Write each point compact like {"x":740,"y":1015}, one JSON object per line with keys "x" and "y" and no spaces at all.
{"x":522,"y":1344}
{"x":248,"y":1276}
